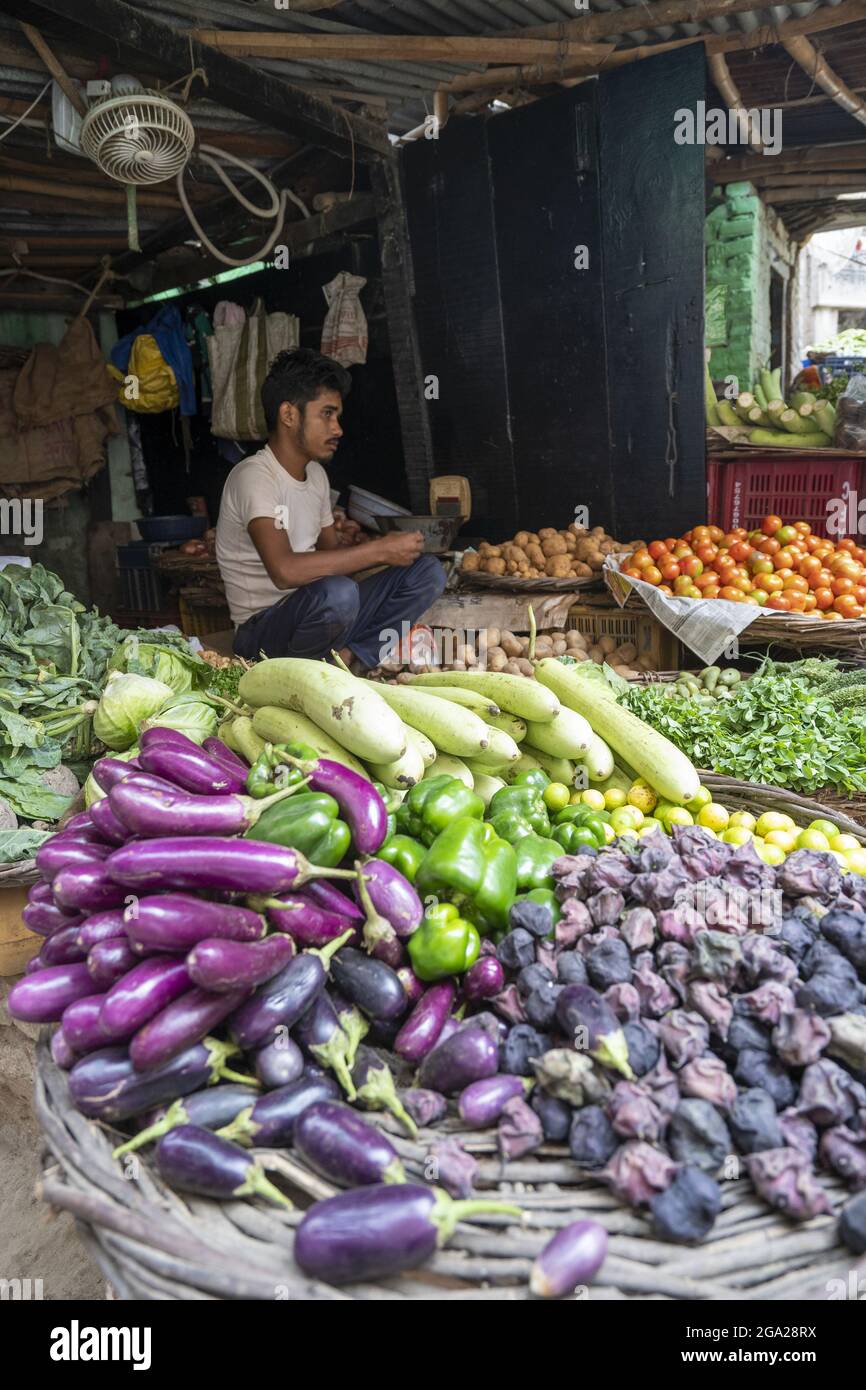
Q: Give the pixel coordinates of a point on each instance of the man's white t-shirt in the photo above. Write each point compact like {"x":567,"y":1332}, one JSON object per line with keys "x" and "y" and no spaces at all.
{"x":259,"y":486}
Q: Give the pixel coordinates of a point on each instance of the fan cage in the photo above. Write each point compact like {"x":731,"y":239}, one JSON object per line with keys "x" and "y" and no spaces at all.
{"x":141,"y":138}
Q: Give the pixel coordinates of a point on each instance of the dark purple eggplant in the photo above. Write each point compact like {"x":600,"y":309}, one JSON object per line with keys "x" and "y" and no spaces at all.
{"x":369,"y":983}
{"x":178,"y":921}
{"x":90,"y":887}
{"x":148,"y":988}
{"x":303,"y":920}
{"x":361,"y":806}
{"x":270,"y":1122}
{"x":47,"y":919}
{"x":344,"y":1148}
{"x":108,"y":961}
{"x":186,"y":765}
{"x":211,"y":1108}
{"x":321,"y":1036}
{"x":376,"y":1090}
{"x":33,"y":965}
{"x":425,"y":1107}
{"x":283,"y":1000}
{"x":101,"y":926}
{"x":153,"y":812}
{"x":587,"y":1019}
{"x":207,"y":862}
{"x":468,"y":1055}
{"x":391,"y":897}
{"x":422,"y":1028}
{"x":106,"y":1086}
{"x":62,"y":851}
{"x":107,"y":772}
{"x":80,"y":1024}
{"x":412,"y":985}
{"x":279,"y":1062}
{"x":572,"y":1257}
{"x":483,"y":980}
{"x":328,"y":896}
{"x":223,"y":754}
{"x":180,"y":1024}
{"x":220,"y":965}
{"x":42,"y":997}
{"x":376,"y":1232}
{"x":191,"y":1159}
{"x":108,"y":823}
{"x":482,"y":1102}
{"x":61,"y":1053}
{"x":80,"y":824}
{"x":62,"y":948}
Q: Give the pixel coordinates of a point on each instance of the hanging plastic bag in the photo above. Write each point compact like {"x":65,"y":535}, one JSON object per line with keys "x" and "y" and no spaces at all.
{"x":148,"y":386}
{"x":240,"y":352}
{"x":851,"y":416}
{"x":344,"y":333}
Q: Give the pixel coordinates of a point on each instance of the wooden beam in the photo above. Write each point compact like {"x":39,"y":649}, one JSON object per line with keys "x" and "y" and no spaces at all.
{"x":807,"y":194}
{"x":397,"y":48}
{"x":55,"y":67}
{"x":361,"y":208}
{"x":829,"y":180}
{"x":80,"y":193}
{"x":816,"y":67}
{"x":851,"y":154}
{"x":129,"y":30}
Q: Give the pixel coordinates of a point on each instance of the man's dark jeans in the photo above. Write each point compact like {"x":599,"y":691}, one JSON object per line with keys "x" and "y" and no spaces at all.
{"x":338,"y":612}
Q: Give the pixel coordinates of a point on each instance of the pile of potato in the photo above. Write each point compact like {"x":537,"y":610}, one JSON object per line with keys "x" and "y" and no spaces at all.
{"x":574,"y":553}
{"x":499,"y":650}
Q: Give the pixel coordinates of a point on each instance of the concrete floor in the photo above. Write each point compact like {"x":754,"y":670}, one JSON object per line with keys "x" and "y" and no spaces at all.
{"x":35,"y":1242}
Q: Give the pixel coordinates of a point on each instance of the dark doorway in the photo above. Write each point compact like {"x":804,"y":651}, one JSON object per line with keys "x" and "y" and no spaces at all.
{"x":778,"y":296}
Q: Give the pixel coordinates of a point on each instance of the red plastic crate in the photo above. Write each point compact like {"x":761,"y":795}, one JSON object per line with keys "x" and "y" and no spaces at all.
{"x":714,"y":469}
{"x":797,"y":488}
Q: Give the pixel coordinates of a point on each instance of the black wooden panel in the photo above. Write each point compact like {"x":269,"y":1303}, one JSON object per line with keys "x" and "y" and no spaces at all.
{"x":545,"y":178}
{"x":459,"y":317}
{"x":652,"y":206}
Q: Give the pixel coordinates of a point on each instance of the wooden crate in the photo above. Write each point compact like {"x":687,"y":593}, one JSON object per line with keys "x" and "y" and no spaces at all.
{"x":17,"y":944}
{"x":197,"y":620}
{"x":628,"y":625}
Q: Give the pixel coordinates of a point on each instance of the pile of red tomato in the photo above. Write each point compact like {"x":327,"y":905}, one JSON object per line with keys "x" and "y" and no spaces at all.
{"x":779,"y":566}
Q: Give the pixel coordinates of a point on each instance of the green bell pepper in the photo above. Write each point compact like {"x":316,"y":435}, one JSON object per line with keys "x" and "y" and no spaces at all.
{"x":495,"y":894}
{"x":535,"y":858}
{"x":470,"y":866}
{"x":444,"y":944}
{"x":546,"y":897}
{"x":511,"y":826}
{"x":532,"y":777}
{"x":580,"y":813}
{"x":525,"y":801}
{"x":434,"y":804}
{"x":307,"y":822}
{"x":405,"y":854}
{"x":572,"y":835}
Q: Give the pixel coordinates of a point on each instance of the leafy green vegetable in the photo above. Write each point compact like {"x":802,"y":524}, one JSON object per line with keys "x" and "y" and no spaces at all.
{"x":175,"y":665}
{"x":126,"y":702}
{"x":190,"y":714}
{"x":21,"y":844}
{"x":225,"y":682}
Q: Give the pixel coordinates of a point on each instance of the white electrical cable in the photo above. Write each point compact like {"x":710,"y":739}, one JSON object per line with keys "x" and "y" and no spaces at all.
{"x":24,"y":114}
{"x":210,"y":155}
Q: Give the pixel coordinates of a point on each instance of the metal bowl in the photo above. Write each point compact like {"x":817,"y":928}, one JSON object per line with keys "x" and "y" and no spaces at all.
{"x":438,"y":531}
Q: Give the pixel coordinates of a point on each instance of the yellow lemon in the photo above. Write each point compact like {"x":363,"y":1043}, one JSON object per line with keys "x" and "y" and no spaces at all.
{"x":812,"y":839}
{"x":742,"y":818}
{"x":737,"y":835}
{"x":843,"y":842}
{"x":713,"y":816}
{"x":593,"y":798}
{"x":678,"y":815}
{"x":642,"y":796}
{"x":826,"y":827}
{"x":771,"y":854}
{"x":840,"y":858}
{"x":626,"y":818}
{"x":856,"y":860}
{"x":613,"y":798}
{"x":609,"y":834}
{"x":785,"y":839}
{"x":771,"y":820}
{"x":702,"y":797}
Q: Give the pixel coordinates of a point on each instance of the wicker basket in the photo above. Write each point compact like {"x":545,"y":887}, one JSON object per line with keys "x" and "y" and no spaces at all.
{"x":151,"y":1243}
{"x":472,"y":579}
{"x":19,"y":875}
{"x":755,"y":797}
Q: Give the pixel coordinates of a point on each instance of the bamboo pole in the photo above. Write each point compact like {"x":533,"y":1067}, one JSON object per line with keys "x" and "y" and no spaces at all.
{"x":55,"y":67}
{"x":721,"y":75}
{"x":77,"y":193}
{"x":817,"y":68}
{"x":415,"y":48}
{"x":851,"y":154}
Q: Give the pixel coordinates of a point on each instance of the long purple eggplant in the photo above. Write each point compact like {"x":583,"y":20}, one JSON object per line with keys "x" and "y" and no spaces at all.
{"x":422,"y":1028}
{"x":101,"y":926}
{"x":90,"y":887}
{"x":344,"y":1148}
{"x":61,"y":1053}
{"x":573,"y":1256}
{"x":62,"y":947}
{"x":177,"y":921}
{"x":483,"y":980}
{"x":468,"y":1055}
{"x":283,"y":1000}
{"x":153,"y":812}
{"x":42,"y":997}
{"x":62,"y":851}
{"x":270,"y":1122}
{"x":108,"y":961}
{"x":320,"y":1033}
{"x":223,"y":754}
{"x":80,"y":824}
{"x":191,"y":1159}
{"x":207,"y":862}
{"x":412,"y":985}
{"x":185,"y":764}
{"x":181,"y":1024}
{"x":33,"y":965}
{"x":108,"y":823}
{"x":376,"y":1090}
{"x":328,"y":896}
{"x":483,"y":1101}
{"x":107,"y":771}
{"x":375,"y":1232}
{"x":391,"y":896}
{"x":40,"y":892}
{"x":361,"y":806}
{"x":221,"y":966}
{"x":141,"y":994}
{"x":106,"y":1086}
{"x":80,"y":1024}
{"x":48,"y":919}
{"x":307,"y":923}
{"x":371,"y":984}
{"x":279,"y":1062}
{"x":211,"y":1108}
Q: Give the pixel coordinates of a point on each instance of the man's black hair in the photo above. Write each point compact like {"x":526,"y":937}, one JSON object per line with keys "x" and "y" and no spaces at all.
{"x":298,"y":375}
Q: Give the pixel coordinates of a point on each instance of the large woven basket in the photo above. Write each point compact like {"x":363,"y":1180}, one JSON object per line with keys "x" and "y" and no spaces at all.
{"x":19,"y":875}
{"x":472,"y":579}
{"x":756,"y":797}
{"x":151,"y":1243}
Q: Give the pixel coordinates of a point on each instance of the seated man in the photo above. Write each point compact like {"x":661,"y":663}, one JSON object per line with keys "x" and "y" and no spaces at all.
{"x":284,"y":561}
